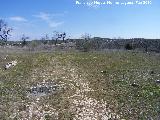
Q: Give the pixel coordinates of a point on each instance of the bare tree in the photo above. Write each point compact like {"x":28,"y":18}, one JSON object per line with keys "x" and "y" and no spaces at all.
{"x":45,"y":39}
{"x":4,"y":30}
{"x":58,"y":35}
{"x":24,"y":38}
{"x":55,"y":37}
{"x":86,"y":36}
{"x":63,"y":36}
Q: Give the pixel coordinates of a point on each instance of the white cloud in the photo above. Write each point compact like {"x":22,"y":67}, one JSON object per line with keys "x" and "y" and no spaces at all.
{"x":43,"y":16}
{"x":55,"y":24}
{"x":18,"y":19}
{"x":48,"y":18}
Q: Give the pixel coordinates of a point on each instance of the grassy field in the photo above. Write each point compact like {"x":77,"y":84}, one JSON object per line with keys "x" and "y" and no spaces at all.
{"x":115,"y":85}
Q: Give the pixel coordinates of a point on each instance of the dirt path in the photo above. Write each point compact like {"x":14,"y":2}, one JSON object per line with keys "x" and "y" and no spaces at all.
{"x":86,"y":108}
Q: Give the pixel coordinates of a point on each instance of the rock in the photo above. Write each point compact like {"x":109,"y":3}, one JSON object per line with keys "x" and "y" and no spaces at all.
{"x":10,"y":64}
{"x":104,"y":71}
{"x":7,"y":66}
{"x":42,"y":89}
{"x":157,"y":81}
{"x":14,"y":63}
{"x":134,"y":84}
{"x":152,"y":72}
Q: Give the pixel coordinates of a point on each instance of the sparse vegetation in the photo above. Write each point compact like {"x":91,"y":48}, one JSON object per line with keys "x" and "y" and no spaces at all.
{"x":126,"y":89}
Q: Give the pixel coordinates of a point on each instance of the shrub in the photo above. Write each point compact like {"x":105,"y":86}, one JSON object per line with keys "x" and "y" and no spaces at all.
{"x":128,"y":46}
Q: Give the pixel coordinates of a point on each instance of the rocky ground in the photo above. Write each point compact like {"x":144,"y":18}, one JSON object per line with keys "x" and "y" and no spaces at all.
{"x":64,"y":86}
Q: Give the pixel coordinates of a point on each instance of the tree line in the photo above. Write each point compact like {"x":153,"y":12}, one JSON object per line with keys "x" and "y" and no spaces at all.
{"x":85,"y":43}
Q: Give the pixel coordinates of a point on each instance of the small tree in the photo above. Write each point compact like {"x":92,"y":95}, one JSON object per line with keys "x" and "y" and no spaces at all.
{"x":44,"y":39}
{"x":146,"y":45}
{"x":4,"y":31}
{"x":63,"y":36}
{"x":24,"y":38}
{"x":86,"y":36}
{"x":58,"y":35}
{"x":128,"y":47}
{"x":87,"y":43}
{"x":55,"y":37}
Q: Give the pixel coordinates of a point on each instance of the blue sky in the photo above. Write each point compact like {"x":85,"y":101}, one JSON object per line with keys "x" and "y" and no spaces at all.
{"x":35,"y":18}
